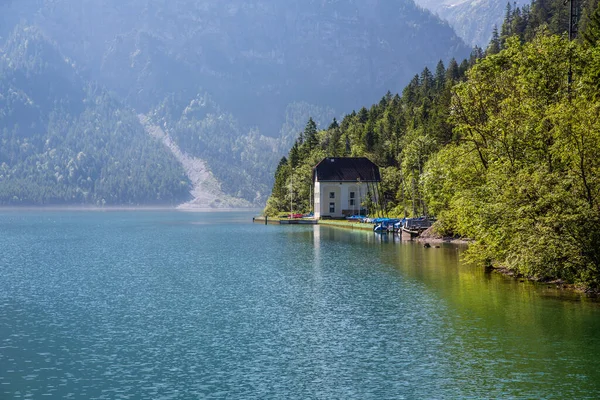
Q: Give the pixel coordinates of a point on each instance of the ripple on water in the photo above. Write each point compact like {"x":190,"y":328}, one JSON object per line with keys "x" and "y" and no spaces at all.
{"x":177,"y":305}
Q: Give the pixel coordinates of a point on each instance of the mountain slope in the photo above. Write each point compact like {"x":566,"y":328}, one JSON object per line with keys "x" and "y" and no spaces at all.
{"x":206,"y":191}
{"x":64,"y":141}
{"x":273,"y":52}
{"x":259,"y":62}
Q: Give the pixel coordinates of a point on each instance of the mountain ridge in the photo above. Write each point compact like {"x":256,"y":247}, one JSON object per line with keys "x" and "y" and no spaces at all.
{"x":259,"y":63}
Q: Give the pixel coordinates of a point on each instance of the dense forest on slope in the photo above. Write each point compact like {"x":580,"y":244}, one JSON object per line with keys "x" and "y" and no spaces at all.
{"x":502,"y":149}
{"x":233,"y":82}
{"x":63,"y":141}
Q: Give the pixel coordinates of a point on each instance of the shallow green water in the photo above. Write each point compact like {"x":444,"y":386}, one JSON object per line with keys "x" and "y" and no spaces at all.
{"x":110,"y":305}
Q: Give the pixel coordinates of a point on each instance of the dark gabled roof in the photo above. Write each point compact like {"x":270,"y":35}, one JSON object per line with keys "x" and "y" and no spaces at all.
{"x":346,"y":169}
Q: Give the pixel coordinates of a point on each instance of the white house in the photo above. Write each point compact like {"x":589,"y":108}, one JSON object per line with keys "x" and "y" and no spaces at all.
{"x":341,"y":184}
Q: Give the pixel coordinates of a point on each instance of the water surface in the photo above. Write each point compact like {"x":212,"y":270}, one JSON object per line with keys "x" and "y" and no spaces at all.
{"x":169,"y":305}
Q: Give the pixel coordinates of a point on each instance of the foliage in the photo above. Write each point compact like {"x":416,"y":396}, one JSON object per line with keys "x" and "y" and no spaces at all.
{"x":503,"y":150}
{"x":535,"y":186}
{"x":399,"y":134}
{"x":95,"y":153}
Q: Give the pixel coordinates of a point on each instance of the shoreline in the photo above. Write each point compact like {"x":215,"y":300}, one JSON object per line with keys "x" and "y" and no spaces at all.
{"x":450,"y":240}
{"x":555,"y":284}
{"x":122,"y":208}
{"x":83,"y":208}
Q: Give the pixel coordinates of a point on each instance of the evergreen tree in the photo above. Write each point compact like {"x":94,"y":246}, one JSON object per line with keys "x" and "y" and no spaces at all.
{"x":427,"y":82}
{"x":440,"y":76}
{"x":475,"y":55}
{"x":310,"y":134}
{"x":369,"y":136}
{"x":281,"y":175}
{"x":363,"y":115}
{"x":463,"y":67}
{"x":294,"y":157}
{"x":385,"y":101}
{"x":452,"y":73}
{"x":506,"y":29}
{"x":411,"y":91}
{"x":334,"y":135}
{"x":334,"y":124}
{"x":347,"y":147}
{"x":494,"y":46}
{"x":591,"y":33}
{"x":518,"y":22}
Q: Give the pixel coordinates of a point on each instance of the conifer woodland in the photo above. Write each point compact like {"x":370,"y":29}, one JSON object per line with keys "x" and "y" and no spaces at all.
{"x":502,"y":148}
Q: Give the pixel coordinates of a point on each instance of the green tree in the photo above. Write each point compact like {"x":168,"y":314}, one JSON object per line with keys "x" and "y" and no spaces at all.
{"x":495,"y":43}
{"x":310,"y":135}
{"x":591,"y":33}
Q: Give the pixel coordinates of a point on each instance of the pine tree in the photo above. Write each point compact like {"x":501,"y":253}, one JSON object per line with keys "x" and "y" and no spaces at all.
{"x":426,"y":82}
{"x":310,"y":134}
{"x":463,"y":67}
{"x":452,"y":73}
{"x":475,"y":55}
{"x":295,"y":155}
{"x":369,"y":135}
{"x":516,"y":23}
{"x":281,"y":174}
{"x":385,"y":100}
{"x":333,"y":144}
{"x":363,"y":115}
{"x":591,"y":34}
{"x":334,"y":124}
{"x":440,"y":76}
{"x":410,"y":92}
{"x":506,"y":30}
{"x":494,"y":46}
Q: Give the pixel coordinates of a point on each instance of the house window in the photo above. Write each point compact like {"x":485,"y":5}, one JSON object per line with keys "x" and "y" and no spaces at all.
{"x":332,"y":195}
{"x":352,"y":203}
{"x":332,"y":207}
{"x":352,"y":195}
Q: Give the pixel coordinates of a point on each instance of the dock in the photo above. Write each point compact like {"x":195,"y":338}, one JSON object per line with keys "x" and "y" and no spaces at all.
{"x":308,"y":221}
{"x":284,"y":221}
{"x":347,"y":224}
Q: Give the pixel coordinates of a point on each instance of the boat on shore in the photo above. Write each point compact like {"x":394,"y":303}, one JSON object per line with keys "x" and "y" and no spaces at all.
{"x":416,"y":226}
{"x":385,"y":225}
{"x":412,"y":226}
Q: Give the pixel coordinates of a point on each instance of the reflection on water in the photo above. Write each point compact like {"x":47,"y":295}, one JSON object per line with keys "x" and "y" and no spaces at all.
{"x":208,"y":305}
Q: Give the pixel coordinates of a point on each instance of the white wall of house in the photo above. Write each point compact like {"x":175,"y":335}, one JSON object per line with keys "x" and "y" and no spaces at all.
{"x":336,"y":198}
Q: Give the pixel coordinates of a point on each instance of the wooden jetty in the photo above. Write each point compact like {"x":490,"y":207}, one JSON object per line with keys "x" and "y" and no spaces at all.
{"x":284,"y":221}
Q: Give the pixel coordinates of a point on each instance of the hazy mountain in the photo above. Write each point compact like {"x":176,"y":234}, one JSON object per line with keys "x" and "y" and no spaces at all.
{"x":65,"y":141}
{"x":473,"y":20}
{"x":232,"y":82}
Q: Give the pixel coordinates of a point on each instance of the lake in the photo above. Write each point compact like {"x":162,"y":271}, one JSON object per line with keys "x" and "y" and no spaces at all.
{"x":183,"y":305}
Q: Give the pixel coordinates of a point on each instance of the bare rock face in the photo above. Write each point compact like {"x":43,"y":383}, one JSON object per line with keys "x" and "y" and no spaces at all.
{"x":206,"y":190}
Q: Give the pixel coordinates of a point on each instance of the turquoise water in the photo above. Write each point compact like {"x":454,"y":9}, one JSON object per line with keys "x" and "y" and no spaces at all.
{"x":175,"y":305}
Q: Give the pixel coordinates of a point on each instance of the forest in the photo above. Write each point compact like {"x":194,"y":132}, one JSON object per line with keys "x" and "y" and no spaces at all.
{"x":67,"y":141}
{"x":230,"y":82}
{"x":501,"y":148}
